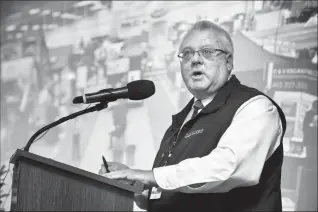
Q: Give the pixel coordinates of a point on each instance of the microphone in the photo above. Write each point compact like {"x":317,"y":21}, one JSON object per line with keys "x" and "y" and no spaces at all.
{"x":136,"y":90}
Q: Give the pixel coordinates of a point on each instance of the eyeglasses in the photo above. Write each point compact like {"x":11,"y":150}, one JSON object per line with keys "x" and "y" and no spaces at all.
{"x":207,"y":53}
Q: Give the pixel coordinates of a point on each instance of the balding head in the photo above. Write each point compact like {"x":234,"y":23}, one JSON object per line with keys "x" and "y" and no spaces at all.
{"x":220,"y":34}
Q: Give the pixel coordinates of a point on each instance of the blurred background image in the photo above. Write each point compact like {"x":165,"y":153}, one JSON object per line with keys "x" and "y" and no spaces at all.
{"x":52,"y":51}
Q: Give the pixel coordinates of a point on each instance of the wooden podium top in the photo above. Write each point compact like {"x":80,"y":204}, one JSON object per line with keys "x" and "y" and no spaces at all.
{"x":135,"y":187}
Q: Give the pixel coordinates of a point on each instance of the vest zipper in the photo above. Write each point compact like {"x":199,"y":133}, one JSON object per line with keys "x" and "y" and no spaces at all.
{"x":174,"y":142}
{"x":163,"y":153}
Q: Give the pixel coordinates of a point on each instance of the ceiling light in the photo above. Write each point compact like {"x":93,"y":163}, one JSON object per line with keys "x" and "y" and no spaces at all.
{"x":19,"y":35}
{"x":70,"y":16}
{"x":31,"y":38}
{"x":35,"y":27}
{"x":24,"y":27}
{"x":53,"y":59}
{"x":56,"y":14}
{"x":97,"y":6}
{"x":46,"y":12}
{"x":84,"y":3}
{"x":11,"y":27}
{"x":34,"y":11}
{"x":51,"y":26}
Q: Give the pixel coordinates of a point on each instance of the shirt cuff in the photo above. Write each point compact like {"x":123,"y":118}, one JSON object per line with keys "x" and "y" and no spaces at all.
{"x":166,"y":177}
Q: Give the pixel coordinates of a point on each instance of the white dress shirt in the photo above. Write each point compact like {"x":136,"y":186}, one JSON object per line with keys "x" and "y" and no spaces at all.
{"x":239,"y":157}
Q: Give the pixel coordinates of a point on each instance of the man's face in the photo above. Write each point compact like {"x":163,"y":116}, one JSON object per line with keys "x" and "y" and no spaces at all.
{"x":202,"y":76}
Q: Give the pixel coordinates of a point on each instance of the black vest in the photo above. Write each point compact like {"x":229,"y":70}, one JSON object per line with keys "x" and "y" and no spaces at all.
{"x":198,"y":137}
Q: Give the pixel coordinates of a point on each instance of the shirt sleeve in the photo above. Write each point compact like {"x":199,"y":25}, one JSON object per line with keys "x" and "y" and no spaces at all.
{"x":238,"y":160}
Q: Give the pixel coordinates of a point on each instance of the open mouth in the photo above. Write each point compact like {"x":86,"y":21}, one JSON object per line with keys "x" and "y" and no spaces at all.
{"x":197,"y":73}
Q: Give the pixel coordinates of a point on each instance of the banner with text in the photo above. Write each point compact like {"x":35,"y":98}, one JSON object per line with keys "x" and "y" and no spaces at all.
{"x":300,"y":76}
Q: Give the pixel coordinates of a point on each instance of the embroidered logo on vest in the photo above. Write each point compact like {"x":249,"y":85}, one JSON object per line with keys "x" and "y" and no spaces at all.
{"x":193,"y":133}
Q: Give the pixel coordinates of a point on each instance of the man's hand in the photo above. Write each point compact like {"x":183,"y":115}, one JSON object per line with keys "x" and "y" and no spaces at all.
{"x":119,"y":171}
{"x":112,"y":166}
{"x":145,"y":177}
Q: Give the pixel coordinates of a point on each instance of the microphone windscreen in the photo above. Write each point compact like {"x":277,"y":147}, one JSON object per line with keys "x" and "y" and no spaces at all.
{"x":78,"y":99}
{"x":140,"y":89}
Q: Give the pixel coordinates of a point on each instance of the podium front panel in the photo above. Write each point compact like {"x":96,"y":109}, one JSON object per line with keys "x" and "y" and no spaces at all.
{"x":46,"y":188}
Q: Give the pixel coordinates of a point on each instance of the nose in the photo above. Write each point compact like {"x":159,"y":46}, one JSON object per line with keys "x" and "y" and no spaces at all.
{"x":196,"y":59}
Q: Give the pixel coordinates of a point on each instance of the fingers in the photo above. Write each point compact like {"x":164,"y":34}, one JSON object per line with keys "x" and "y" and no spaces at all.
{"x":112,"y":166}
{"x":118,"y":175}
{"x":102,"y":166}
{"x":102,"y":170}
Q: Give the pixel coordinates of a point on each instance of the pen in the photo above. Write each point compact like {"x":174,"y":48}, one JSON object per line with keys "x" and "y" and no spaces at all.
{"x":105,"y":164}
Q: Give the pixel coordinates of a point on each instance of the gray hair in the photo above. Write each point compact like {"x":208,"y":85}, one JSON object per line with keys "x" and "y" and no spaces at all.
{"x":221,"y":34}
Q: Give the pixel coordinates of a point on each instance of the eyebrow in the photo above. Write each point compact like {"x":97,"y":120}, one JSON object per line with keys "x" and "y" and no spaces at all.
{"x":186,"y":47}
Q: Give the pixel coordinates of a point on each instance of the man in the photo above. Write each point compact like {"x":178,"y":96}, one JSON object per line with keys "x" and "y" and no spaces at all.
{"x":228,"y":156}
{"x":310,"y":135}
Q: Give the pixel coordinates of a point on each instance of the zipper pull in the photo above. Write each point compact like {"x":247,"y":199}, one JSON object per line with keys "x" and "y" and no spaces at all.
{"x":174,"y":142}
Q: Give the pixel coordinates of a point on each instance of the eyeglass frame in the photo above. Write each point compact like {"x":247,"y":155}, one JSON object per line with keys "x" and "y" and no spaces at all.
{"x":198,"y":51}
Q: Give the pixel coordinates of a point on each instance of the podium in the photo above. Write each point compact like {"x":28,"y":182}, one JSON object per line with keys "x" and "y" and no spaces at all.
{"x":42,"y":184}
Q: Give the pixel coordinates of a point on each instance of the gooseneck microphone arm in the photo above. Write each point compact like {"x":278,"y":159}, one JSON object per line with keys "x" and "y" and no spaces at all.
{"x":97,"y":107}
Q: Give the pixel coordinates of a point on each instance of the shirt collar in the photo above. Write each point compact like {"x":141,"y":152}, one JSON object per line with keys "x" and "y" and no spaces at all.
{"x":222,"y":95}
{"x":206,"y":101}
{"x":211,"y":104}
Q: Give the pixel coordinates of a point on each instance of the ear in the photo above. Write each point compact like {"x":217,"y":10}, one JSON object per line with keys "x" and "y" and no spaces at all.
{"x":229,"y":66}
{"x":229,"y":62}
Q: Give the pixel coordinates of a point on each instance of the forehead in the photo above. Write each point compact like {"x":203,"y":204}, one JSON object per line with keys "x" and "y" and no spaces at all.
{"x":197,"y":39}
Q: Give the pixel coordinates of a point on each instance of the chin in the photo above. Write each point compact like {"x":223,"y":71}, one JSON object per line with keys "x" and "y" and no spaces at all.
{"x":198,"y":85}
{"x":195,"y":90}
